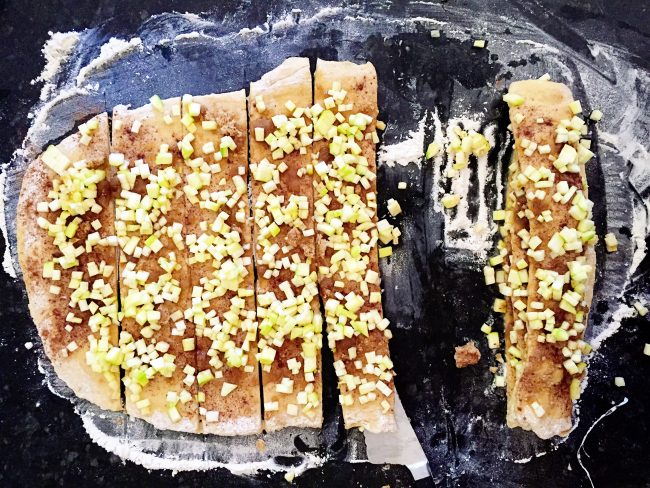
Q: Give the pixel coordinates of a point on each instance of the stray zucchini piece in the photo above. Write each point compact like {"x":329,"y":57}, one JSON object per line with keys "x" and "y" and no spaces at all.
{"x":642,"y":309}
{"x":611,"y":243}
{"x":596,"y":115}
{"x":432,"y":150}
{"x":493,"y":340}
{"x":450,"y":200}
{"x":513,"y":100}
{"x":384,"y":252}
{"x":394,"y":207}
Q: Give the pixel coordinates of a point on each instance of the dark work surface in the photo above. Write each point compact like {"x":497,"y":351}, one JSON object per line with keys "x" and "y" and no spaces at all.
{"x":42,"y":441}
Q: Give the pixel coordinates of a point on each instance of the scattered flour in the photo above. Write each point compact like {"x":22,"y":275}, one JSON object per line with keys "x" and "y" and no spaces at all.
{"x":7,"y":261}
{"x":549,"y":449}
{"x":640,"y":229}
{"x":410,"y":150}
{"x":322,"y":14}
{"x":625,"y":133}
{"x":109,"y":52}
{"x":538,"y":46}
{"x":56,"y":51}
{"x":284,"y":23}
{"x":524,"y":460}
{"x":292,"y":18}
{"x":594,"y":48}
{"x":40,"y":117}
{"x":622,"y":139}
{"x":255,"y":31}
{"x":411,"y":23}
{"x":51,"y":380}
{"x":614,"y":324}
{"x":438,"y":160}
{"x":189,"y":35}
{"x":427,"y":20}
{"x":193,"y":17}
{"x":501,"y":159}
{"x":190,"y":456}
{"x":461,"y":231}
{"x":138,"y":451}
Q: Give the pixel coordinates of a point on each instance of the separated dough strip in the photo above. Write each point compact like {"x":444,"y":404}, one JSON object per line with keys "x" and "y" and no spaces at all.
{"x":218,"y":238}
{"x":160,"y":377}
{"x":347,"y":244}
{"x":77,"y":344}
{"x":287,"y":294}
{"x":560,"y":261}
{"x":515,"y":329}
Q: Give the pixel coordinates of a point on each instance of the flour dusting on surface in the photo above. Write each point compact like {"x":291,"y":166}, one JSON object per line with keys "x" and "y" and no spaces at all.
{"x":640,"y":229}
{"x":410,"y":150}
{"x":56,"y":51}
{"x":255,"y":31}
{"x":138,"y":451}
{"x":538,"y":45}
{"x":7,"y":261}
{"x":292,"y":19}
{"x":613,"y":325}
{"x":438,"y":160}
{"x":427,"y":20}
{"x":284,"y":23}
{"x":185,"y":453}
{"x":189,"y":35}
{"x":523,"y":460}
{"x":40,"y":117}
{"x":109,"y":52}
{"x":54,"y":384}
{"x":461,"y":230}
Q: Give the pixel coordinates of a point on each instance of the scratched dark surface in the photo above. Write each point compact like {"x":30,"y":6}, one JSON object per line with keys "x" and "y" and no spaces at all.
{"x":435,"y":298}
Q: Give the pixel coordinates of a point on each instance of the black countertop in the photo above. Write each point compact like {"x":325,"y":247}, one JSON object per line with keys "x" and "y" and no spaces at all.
{"x":42,"y":441}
